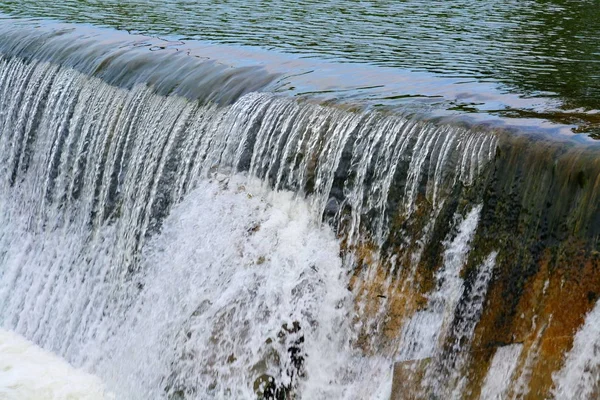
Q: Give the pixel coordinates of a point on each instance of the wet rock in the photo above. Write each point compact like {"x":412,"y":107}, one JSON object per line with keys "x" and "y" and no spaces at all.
{"x":406,"y":384}
{"x":266,"y":388}
{"x":332,"y":207}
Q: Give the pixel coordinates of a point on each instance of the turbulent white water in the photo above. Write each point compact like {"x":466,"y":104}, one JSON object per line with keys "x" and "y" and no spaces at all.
{"x":176,"y":248}
{"x":227,"y":282}
{"x":30,"y":373}
{"x":236,"y":286}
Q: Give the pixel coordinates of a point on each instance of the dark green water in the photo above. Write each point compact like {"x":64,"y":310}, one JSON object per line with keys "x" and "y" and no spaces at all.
{"x":536,"y":49}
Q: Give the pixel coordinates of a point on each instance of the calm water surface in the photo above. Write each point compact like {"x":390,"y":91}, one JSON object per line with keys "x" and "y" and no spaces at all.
{"x":547,"y":52}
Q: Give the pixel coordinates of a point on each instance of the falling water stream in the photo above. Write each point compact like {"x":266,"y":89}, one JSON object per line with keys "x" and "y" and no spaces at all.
{"x":204,"y":241}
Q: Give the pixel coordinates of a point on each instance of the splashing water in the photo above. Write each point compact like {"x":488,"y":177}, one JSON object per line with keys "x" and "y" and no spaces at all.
{"x":236,"y":287}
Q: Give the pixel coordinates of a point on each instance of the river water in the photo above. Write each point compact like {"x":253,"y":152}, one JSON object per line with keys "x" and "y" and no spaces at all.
{"x":517,"y":59}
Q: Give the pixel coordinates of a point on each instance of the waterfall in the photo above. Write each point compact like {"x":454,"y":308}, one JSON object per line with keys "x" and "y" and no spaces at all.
{"x":182,"y":229}
{"x":91,"y":265}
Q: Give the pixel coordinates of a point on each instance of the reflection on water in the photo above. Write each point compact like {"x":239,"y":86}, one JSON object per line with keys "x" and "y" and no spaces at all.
{"x":536,"y":49}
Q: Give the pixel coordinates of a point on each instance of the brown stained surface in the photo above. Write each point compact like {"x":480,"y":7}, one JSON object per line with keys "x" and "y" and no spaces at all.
{"x":382,"y":305}
{"x":571,"y":295}
{"x":556,"y":298}
{"x":407,"y":378}
{"x":571,"y":287}
{"x":388,"y":292}
{"x":541,"y":214}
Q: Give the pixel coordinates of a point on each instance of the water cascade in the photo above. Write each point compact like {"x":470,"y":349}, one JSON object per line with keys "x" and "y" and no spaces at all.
{"x":197,"y":235}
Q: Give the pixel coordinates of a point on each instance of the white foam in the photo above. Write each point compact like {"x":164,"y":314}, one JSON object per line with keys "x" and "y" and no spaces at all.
{"x":29,"y":373}
{"x":233,"y":264}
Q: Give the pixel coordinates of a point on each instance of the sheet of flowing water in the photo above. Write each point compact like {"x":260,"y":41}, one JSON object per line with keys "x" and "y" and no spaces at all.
{"x":460,"y":87}
{"x":446,"y":377}
{"x":580,"y":374}
{"x":443,"y":331}
{"x":500,"y":374}
{"x":421,"y":335}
